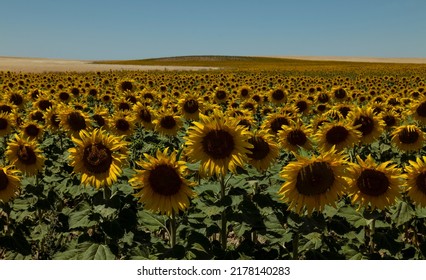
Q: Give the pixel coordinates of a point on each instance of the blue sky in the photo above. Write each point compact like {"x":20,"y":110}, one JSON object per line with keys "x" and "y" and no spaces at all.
{"x":130,"y":29}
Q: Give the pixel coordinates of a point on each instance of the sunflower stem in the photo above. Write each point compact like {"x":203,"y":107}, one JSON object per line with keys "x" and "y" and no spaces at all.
{"x":296,"y":246}
{"x":223,"y":232}
{"x":372,"y":229}
{"x":173,"y":229}
{"x":107,"y":193}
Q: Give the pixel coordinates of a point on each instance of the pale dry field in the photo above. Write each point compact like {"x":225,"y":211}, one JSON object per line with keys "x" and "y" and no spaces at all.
{"x":40,"y":65}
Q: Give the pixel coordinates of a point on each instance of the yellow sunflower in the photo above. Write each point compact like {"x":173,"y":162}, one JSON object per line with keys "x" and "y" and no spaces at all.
{"x":98,"y":157}
{"x":161,"y":185}
{"x":408,"y":138}
{"x":340,"y":135}
{"x":167,"y":122}
{"x":10,"y":180}
{"x":278,"y":95}
{"x":312,"y":183}
{"x":73,"y":121}
{"x":295,"y":136}
{"x":51,"y":117}
{"x":274,"y":122}
{"x":418,"y":110}
{"x":145,"y":115}
{"x":370,"y":125}
{"x":25,"y":155}
{"x":32,"y":130}
{"x":219,"y":143}
{"x":5,"y":124}
{"x":264,"y":151}
{"x":122,"y":123}
{"x":100,"y":117}
{"x":416,"y":180}
{"x":374,"y":185}
{"x":190,"y":106}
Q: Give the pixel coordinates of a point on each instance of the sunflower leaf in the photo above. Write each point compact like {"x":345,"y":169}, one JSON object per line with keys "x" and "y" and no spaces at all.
{"x":97,"y":252}
{"x":402,"y":213}
{"x":353,"y":217}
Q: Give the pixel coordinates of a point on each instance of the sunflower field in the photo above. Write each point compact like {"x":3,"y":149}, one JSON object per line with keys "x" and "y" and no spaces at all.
{"x":256,"y":160}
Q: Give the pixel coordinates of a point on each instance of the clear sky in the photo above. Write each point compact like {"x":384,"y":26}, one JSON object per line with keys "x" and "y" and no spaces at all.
{"x":131,"y":29}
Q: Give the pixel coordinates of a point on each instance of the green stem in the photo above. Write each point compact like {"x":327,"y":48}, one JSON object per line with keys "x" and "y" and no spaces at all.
{"x":372,"y":230}
{"x":173,"y":229}
{"x":223,"y":232}
{"x":296,"y":246}
{"x":107,"y":193}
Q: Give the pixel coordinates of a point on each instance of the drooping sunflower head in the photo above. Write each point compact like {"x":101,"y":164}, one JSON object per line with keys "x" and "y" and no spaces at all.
{"x":161,"y":185}
{"x":416,"y":180}
{"x":25,"y":155}
{"x":98,"y":157}
{"x":264,"y":151}
{"x":10,"y":180}
{"x":408,"y":137}
{"x":312,"y":183}
{"x":374,"y":185}
{"x":219,"y":143}
{"x":341,"y":135}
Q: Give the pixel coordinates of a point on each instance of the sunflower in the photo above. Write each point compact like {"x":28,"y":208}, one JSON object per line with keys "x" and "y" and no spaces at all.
{"x":339,"y":93}
{"x":274,"y":122}
{"x":144,"y":115}
{"x":190,"y":106}
{"x":122,"y":123}
{"x":98,"y":157}
{"x":124,"y":85}
{"x":32,"y":130}
{"x":161,"y":184}
{"x":25,"y":155}
{"x":278,"y":95}
{"x":10,"y":180}
{"x":391,"y":118}
{"x":100,"y":117}
{"x":52,"y":119}
{"x":73,"y":121}
{"x":264,"y":151}
{"x":244,"y":92}
{"x":219,"y":143}
{"x":17,"y":98}
{"x":408,"y":137}
{"x":367,"y":123}
{"x":5,"y":124}
{"x":295,"y":136}
{"x":312,"y":183}
{"x":418,"y":110}
{"x":374,"y":185}
{"x":303,"y":105}
{"x":167,"y":122}
{"x":340,"y":134}
{"x":122,"y":104}
{"x":220,"y":95}
{"x":416,"y":180}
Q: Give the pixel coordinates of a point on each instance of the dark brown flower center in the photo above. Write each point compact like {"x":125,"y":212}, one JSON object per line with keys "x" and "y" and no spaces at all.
{"x":26,"y":155}
{"x":16,"y":99}
{"x":191,"y":106}
{"x":260,"y":148}
{"x":340,"y":93}
{"x":54,"y":120}
{"x":344,"y":111}
{"x":366,"y":125}
{"x":315,"y":179}
{"x":277,"y":123}
{"x":44,"y":105}
{"x":76,"y":121}
{"x":4,"y":108}
{"x":164,"y":180}
{"x":3,"y":124}
{"x":4,"y":181}
{"x":421,"y":182}
{"x":99,"y":119}
{"x":373,"y":182}
{"x":421,"y":110}
{"x":278,"y":95}
{"x":408,"y":136}
{"x":323,"y":98}
{"x":145,"y":115}
{"x":97,"y":158}
{"x":389,"y":120}
{"x":122,"y":125}
{"x":336,"y":135}
{"x":32,"y":130}
{"x":220,"y":94}
{"x":126,"y":85}
{"x":218,"y":144}
{"x":168,"y":122}
{"x":244,"y":92}
{"x":297,"y":137}
{"x":64,"y":96}
{"x":123,"y":106}
{"x":301,"y":105}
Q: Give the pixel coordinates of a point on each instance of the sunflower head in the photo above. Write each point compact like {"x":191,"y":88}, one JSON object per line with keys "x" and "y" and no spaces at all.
{"x":264,"y":151}
{"x":416,"y":180}
{"x":408,"y":137}
{"x":374,"y":185}
{"x":161,"y":183}
{"x":10,"y":180}
{"x":98,"y":157}
{"x":341,"y":135}
{"x":219,"y":143}
{"x":312,"y":183}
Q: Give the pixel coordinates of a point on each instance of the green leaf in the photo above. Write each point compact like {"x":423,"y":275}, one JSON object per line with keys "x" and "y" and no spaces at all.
{"x":97,"y":252}
{"x":314,"y":241}
{"x":80,"y":219}
{"x":151,"y":221}
{"x":402,"y":213}
{"x":353,"y":217}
